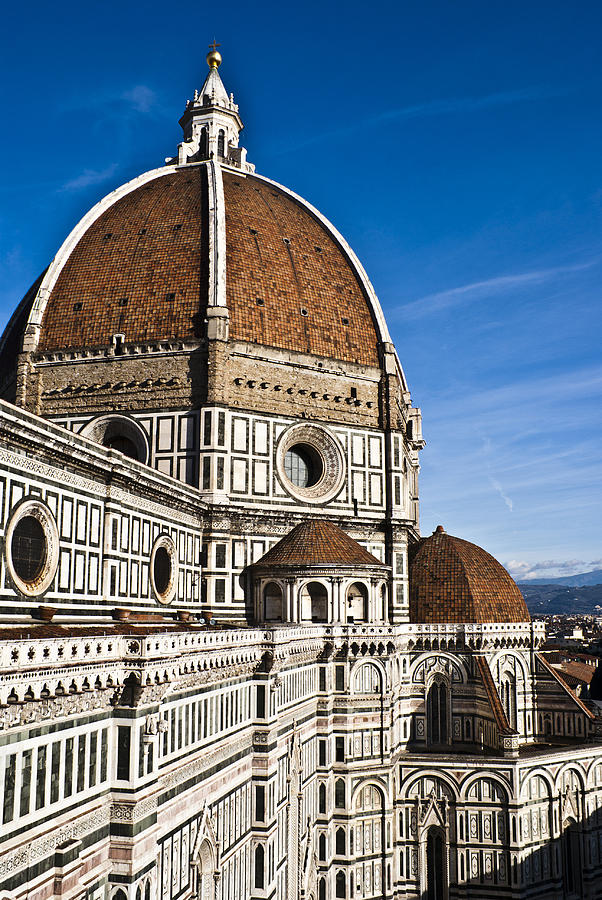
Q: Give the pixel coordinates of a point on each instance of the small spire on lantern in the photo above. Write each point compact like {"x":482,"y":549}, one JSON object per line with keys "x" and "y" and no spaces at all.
{"x":214,"y":57}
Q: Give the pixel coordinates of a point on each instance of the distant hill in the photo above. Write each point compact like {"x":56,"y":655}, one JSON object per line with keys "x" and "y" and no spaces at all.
{"x":581,"y":580}
{"x":556,"y":599}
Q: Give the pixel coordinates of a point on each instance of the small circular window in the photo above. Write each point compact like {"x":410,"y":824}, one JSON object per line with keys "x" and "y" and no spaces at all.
{"x":163,"y":568}
{"x":303,"y":465}
{"x":29,"y":549}
{"x":123,"y":444}
{"x":118,"y":432}
{"x":32,"y":547}
{"x":309,"y":463}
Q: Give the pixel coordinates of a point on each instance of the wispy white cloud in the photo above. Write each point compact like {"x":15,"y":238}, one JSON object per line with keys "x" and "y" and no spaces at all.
{"x":137,"y":99}
{"x":453,"y":105}
{"x":500,"y":490}
{"x":142,"y":98}
{"x":534,"y":392}
{"x":89,"y":177}
{"x":525,"y":571}
{"x":441,"y":107}
{"x":476,"y":290}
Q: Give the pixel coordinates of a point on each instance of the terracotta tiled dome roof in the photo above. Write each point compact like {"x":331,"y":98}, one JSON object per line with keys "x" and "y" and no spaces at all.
{"x":141,"y":268}
{"x":452,"y":580}
{"x":317,"y":543}
{"x":148,"y":245}
{"x":279,"y":253}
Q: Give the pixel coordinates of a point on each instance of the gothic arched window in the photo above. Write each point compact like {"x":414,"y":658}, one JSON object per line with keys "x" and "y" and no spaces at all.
{"x":339,"y":794}
{"x":341,"y":887}
{"x":322,"y":798}
{"x":437,"y":703}
{"x":221,"y":143}
{"x":322,"y":848}
{"x":508,"y":698}
{"x":435,"y":865}
{"x":204,"y":143}
{"x":259,"y":867}
{"x":340,"y":842}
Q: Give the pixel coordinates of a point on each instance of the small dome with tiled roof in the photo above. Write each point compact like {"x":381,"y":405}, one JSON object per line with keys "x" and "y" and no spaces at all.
{"x":452,"y":580}
{"x":317,"y":543}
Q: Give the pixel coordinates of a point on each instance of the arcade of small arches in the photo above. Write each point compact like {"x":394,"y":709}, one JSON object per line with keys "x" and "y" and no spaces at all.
{"x":321,"y":599}
{"x":142,"y":891}
{"x":536,"y":784}
{"x":458,"y":640}
{"x":442,"y":817}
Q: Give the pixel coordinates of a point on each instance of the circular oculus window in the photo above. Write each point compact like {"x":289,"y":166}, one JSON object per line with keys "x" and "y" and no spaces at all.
{"x":164,"y":569}
{"x":119,"y":433}
{"x":309,"y":463}
{"x":32,"y":548}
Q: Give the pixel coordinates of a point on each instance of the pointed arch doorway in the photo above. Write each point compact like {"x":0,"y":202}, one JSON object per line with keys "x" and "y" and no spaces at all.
{"x":206,"y":876}
{"x":205,"y":860}
{"x":436,"y":864}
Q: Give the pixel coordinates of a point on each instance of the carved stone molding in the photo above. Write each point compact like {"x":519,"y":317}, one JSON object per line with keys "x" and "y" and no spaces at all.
{"x":44,"y":846}
{"x":206,"y":761}
{"x":33,"y":711}
{"x":62,"y":476}
{"x":133,"y":812}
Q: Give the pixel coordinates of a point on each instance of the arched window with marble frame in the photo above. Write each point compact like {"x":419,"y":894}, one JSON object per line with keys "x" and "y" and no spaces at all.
{"x":368,"y":804}
{"x":273,"y":602}
{"x":438,"y":711}
{"x":357,"y":602}
{"x":315,"y":601}
{"x":367,"y":678}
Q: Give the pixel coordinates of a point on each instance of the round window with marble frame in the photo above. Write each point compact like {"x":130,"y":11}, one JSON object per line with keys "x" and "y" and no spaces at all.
{"x":119,"y":432}
{"x":320,"y":458}
{"x":44,"y":535}
{"x":163,"y":583}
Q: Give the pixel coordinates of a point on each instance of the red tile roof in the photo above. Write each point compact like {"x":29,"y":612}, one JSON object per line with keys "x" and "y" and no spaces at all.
{"x":565,"y":687}
{"x":578,"y":672}
{"x":279,"y":253}
{"x":149,"y":244}
{"x":452,"y":580}
{"x":497,"y":709}
{"x":317,"y":543}
{"x":153,"y":244}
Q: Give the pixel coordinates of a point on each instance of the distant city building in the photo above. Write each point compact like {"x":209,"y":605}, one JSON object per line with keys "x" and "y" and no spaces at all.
{"x":230,"y":666}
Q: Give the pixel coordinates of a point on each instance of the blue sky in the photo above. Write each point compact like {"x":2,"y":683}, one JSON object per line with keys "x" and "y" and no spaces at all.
{"x":457,"y":146}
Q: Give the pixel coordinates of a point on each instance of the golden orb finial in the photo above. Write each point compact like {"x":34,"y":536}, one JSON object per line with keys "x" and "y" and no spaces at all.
{"x":214,"y":57}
